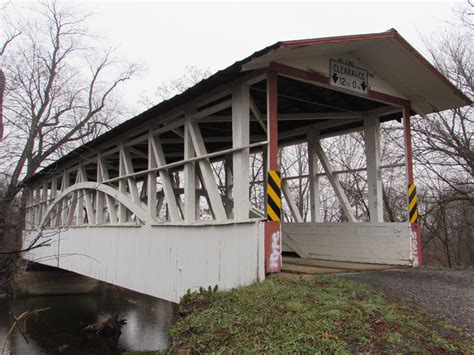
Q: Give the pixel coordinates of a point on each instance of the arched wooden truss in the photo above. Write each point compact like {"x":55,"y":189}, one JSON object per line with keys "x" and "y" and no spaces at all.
{"x":68,"y":199}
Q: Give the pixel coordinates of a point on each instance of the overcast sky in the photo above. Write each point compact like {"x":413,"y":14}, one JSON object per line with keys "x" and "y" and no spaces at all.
{"x":167,"y":37}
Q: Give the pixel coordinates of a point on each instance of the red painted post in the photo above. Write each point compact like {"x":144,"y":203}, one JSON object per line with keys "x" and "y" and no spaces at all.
{"x":273,"y":242}
{"x":412,"y":202}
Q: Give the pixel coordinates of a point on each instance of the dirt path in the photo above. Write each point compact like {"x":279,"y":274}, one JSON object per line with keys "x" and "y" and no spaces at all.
{"x":448,"y":295}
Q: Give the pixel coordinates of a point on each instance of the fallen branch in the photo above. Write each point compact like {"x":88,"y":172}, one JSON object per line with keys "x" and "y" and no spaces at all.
{"x":23,"y":315}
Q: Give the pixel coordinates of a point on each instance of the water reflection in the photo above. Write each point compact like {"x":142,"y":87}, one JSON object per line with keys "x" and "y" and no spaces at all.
{"x":59,"y":330}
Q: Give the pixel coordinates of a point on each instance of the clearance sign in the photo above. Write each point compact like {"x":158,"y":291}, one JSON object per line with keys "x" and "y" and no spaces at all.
{"x":348,"y":77}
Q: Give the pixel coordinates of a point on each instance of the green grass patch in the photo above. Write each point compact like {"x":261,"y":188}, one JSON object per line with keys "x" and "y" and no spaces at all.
{"x":320,"y":315}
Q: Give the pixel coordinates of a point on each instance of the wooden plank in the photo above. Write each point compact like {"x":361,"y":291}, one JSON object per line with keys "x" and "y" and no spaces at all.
{"x":383,"y":243}
{"x":349,"y":229}
{"x":304,"y":269}
{"x":348,"y":266}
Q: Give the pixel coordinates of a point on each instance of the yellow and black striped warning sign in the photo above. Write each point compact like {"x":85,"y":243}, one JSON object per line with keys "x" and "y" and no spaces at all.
{"x":412,"y":204}
{"x":274,"y":196}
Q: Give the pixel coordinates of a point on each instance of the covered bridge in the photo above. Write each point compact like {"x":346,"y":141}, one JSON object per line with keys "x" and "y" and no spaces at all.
{"x":162,"y":203}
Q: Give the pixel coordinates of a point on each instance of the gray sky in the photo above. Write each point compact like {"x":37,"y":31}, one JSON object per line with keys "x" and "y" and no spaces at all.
{"x":166,"y":37}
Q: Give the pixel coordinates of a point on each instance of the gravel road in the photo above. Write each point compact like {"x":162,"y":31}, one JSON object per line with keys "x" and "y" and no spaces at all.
{"x":447,"y":294}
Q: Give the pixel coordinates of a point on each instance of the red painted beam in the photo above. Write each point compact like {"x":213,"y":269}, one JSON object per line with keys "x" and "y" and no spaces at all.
{"x":324,"y":80}
{"x":415,"y":227}
{"x":273,"y":241}
{"x":272,"y":121}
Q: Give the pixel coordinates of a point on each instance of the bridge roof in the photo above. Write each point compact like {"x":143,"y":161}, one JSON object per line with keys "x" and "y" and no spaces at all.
{"x":387,"y":54}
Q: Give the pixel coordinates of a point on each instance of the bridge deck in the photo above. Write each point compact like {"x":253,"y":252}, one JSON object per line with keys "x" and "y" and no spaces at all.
{"x":296,"y":265}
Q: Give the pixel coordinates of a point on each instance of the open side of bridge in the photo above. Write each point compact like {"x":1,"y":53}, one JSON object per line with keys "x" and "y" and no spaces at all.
{"x":197,"y":191}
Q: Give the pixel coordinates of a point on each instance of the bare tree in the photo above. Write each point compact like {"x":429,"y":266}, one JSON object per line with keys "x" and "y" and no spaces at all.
{"x":60,"y":85}
{"x":444,"y":152}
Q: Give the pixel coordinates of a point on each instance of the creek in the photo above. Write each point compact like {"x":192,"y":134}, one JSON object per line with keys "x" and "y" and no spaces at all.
{"x":60,"y":328}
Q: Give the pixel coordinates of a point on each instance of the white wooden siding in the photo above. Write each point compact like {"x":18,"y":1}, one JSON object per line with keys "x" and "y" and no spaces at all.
{"x":380,"y":243}
{"x":161,"y":261}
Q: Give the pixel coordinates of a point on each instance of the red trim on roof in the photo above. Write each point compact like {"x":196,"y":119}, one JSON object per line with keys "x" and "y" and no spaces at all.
{"x":337,"y":39}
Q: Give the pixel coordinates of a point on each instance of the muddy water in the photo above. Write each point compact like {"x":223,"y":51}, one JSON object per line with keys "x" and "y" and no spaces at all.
{"x":60,"y":329}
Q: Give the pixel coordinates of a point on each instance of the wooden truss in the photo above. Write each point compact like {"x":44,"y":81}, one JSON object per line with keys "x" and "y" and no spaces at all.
{"x":135,"y":180}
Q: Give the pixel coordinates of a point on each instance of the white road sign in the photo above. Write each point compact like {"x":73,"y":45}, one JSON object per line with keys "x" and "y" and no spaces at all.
{"x":348,"y":77}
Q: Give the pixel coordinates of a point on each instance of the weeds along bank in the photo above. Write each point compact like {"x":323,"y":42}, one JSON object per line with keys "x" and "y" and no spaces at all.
{"x":293,"y":315}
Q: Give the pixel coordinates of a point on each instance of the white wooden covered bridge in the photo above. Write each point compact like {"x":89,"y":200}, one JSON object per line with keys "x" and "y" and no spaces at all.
{"x":161,"y":203}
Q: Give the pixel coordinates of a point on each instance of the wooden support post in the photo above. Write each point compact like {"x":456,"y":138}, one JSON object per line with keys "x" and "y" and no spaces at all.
{"x":53,"y":222}
{"x":79,"y":198}
{"x":374,"y":173}
{"x":100,"y":196}
{"x":29,"y":221}
{"x":273,"y":239}
{"x":240,"y":162}
{"x":198,"y":196}
{"x":151,"y":180}
{"x":64,"y":205}
{"x":314,"y":189}
{"x":208,"y":179}
{"x":228,"y":181}
{"x":87,"y":198}
{"x":37,"y":219}
{"x":44,"y":200}
{"x":411,"y":195}
{"x":110,"y":202}
{"x":122,"y":211}
{"x":336,"y":185}
{"x":189,"y":174}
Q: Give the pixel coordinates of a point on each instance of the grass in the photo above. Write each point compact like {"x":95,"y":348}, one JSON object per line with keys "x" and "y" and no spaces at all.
{"x":319,"y":315}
